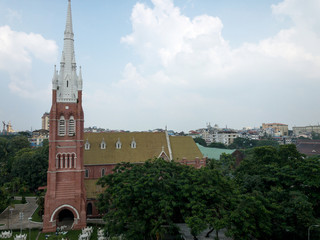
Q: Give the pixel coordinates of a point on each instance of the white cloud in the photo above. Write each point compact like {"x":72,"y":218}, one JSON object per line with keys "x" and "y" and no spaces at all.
{"x":189,"y":72}
{"x":18,"y":51}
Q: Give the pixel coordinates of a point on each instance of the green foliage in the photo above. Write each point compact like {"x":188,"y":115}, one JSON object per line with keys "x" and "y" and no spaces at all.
{"x":22,"y":169}
{"x":315,"y":136}
{"x":40,"y":202}
{"x":201,"y":141}
{"x":140,"y":199}
{"x":243,"y":143}
{"x":226,"y":165}
{"x":31,"y":165}
{"x":4,"y":198}
{"x":217,"y":145}
{"x":288,"y":187}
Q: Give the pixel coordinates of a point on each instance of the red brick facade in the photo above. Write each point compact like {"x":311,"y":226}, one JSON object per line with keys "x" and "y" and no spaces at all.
{"x":65,"y":177}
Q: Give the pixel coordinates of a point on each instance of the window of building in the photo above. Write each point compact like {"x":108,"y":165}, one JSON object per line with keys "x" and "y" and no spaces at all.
{"x":103,"y":172}
{"x":89,"y":209}
{"x":86,"y":173}
{"x":72,"y":126}
{"x":103,"y":144}
{"x":87,"y":145}
{"x":62,"y":126}
{"x":118,"y":144}
{"x":133,"y":143}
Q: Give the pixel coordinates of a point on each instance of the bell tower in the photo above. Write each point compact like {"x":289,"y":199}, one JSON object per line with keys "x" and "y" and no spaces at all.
{"x":66,"y":197}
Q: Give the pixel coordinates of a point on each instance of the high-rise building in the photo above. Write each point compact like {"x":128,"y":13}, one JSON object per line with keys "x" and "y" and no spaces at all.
{"x":45,"y":121}
{"x":65,"y":198}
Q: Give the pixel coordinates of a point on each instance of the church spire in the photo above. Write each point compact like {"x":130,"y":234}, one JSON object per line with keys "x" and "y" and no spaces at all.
{"x":69,"y":83}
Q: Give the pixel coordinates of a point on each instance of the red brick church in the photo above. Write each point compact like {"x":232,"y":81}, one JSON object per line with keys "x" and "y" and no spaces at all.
{"x":66,"y":195}
{"x":77,"y":159}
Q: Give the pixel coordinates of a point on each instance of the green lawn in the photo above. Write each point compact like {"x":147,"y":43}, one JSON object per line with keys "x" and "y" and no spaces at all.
{"x":16,"y":201}
{"x":35,"y":216}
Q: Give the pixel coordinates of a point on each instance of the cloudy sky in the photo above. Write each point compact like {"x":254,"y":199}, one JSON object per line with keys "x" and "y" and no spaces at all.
{"x":180,"y":63}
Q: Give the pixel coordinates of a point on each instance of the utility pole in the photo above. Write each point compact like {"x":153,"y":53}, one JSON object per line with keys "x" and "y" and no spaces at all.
{"x":21,"y":218}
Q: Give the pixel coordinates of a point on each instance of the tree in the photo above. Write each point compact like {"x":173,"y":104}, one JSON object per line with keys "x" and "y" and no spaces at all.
{"x":201,"y":141}
{"x":4,"y":198}
{"x":140,"y":199}
{"x":208,"y":200}
{"x":243,"y":143}
{"x":217,"y":145}
{"x":31,"y":166}
{"x":281,"y":179}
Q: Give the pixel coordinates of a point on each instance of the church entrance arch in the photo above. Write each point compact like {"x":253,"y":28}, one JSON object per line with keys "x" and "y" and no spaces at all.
{"x":65,"y":215}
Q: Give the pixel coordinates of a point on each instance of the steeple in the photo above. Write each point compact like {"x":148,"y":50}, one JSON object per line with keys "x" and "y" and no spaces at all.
{"x":68,"y":83}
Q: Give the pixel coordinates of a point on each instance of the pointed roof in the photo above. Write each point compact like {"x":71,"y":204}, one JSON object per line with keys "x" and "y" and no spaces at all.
{"x":69,"y":29}
{"x":68,"y":82}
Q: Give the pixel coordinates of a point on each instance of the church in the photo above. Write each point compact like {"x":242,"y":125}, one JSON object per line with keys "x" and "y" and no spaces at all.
{"x":77,"y":159}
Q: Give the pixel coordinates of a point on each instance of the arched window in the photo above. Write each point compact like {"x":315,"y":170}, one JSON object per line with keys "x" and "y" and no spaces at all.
{"x":72,"y":161}
{"x":103,"y":144}
{"x":62,"y":126}
{"x":133,"y":143}
{"x":86,"y":173}
{"x":72,"y":126}
{"x":87,"y":145}
{"x":103,"y":172}
{"x":89,"y":209}
{"x":58,"y":161}
{"x":63,"y":161}
{"x":118,"y":144}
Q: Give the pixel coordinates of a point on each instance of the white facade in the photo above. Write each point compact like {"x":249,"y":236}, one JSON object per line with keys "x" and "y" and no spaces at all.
{"x":226,"y":137}
{"x":67,"y":82}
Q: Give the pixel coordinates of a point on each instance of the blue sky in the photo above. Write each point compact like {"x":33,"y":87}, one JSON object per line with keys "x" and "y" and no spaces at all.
{"x":182,"y":63}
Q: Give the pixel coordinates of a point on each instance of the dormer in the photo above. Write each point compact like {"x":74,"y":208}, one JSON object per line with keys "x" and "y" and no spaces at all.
{"x":87,"y":145}
{"x":103,"y":144}
{"x":118,"y":144}
{"x":133,"y":143}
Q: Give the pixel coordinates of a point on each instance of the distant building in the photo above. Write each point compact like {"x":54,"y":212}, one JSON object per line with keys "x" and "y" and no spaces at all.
{"x":7,"y":128}
{"x":226,"y":137}
{"x":38,"y":136}
{"x":279,"y":129}
{"x":306,"y":130}
{"x":45,"y":120}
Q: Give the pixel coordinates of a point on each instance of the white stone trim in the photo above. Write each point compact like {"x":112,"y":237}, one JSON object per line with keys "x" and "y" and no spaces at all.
{"x":169,"y":145}
{"x":62,"y":206}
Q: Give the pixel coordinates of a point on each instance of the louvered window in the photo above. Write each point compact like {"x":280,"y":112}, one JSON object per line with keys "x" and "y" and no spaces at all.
{"x":62,"y":126}
{"x":72,"y":126}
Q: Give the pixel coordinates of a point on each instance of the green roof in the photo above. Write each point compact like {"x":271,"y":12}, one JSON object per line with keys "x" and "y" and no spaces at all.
{"x":214,"y":153}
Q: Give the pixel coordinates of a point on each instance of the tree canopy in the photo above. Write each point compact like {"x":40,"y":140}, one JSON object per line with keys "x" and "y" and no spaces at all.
{"x":273,"y":194}
{"x":148,"y":199}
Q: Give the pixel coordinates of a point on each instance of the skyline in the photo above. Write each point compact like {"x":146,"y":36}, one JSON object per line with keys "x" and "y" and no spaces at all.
{"x":149,"y":64}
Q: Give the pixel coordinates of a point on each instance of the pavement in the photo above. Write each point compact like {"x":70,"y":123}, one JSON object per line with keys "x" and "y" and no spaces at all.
{"x":10,"y":218}
{"x":185,"y":231}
